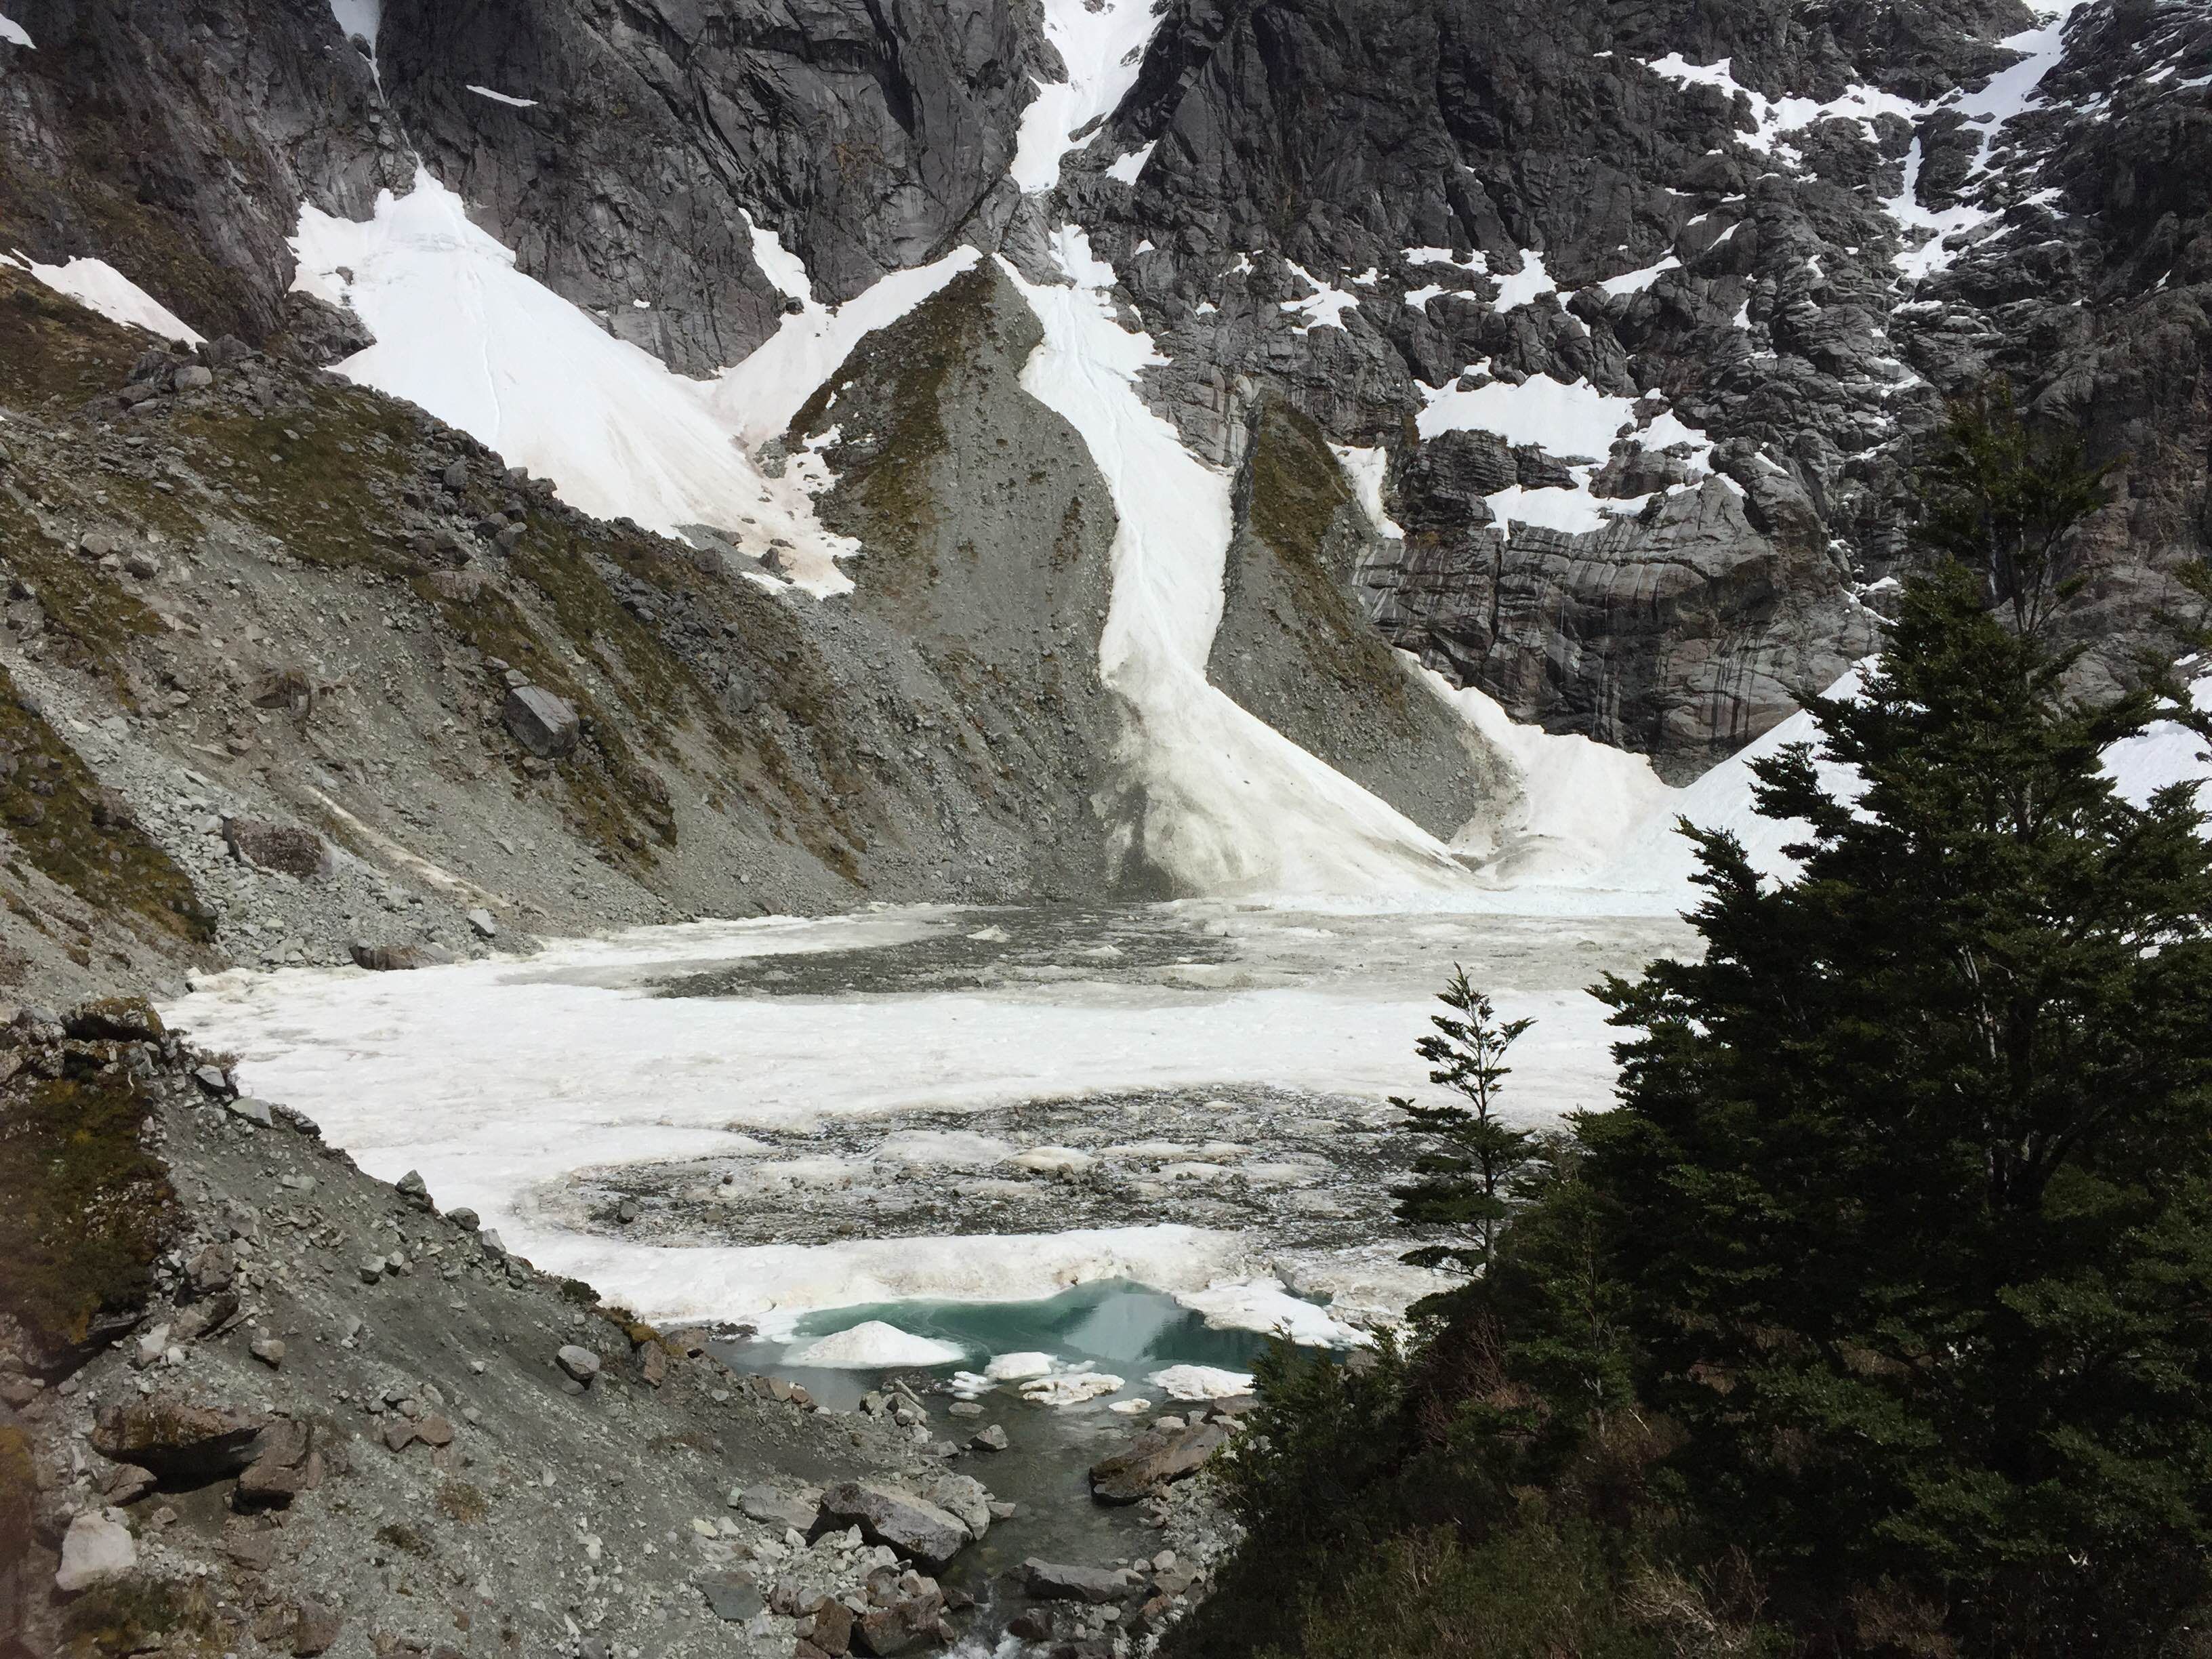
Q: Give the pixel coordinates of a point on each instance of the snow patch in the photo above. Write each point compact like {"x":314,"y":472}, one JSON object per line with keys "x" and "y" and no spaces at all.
{"x":503,"y":98}
{"x":1324,"y":307}
{"x":1127,"y":169}
{"x":15,"y":34}
{"x":462,"y":332}
{"x":1518,"y":287}
{"x":1101,"y":47}
{"x":1566,"y":419}
{"x":1635,"y":282}
{"x":875,"y":1346}
{"x":100,"y":287}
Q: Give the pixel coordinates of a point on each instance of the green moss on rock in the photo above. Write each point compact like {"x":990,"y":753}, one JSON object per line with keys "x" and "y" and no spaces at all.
{"x":79,"y":837}
{"x":85,"y":1208}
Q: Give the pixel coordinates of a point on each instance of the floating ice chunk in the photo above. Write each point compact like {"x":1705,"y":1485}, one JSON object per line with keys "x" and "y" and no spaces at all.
{"x":1130,"y":1407}
{"x":1201,"y":1383}
{"x":991,"y":935}
{"x":1018,"y":1367}
{"x":1262,"y":1304}
{"x":875,"y":1346}
{"x":99,"y":285}
{"x":1071,"y":1388}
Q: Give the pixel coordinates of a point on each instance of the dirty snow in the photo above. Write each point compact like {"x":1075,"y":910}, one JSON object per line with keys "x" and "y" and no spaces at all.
{"x":15,"y":34}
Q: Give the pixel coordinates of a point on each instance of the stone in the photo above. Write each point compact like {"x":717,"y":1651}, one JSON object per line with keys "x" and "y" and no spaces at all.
{"x":963,"y":1496}
{"x":412,"y":1187}
{"x":653,"y":1367}
{"x":964,"y":1409}
{"x":184,"y":1444}
{"x":316,"y":1628}
{"x":269,"y":1350}
{"x":897,"y":1520}
{"x":371,"y":1269}
{"x":1048,"y":1581}
{"x":1160,"y":1454}
{"x":253,"y":1111}
{"x":481,"y":923}
{"x":545,"y":724}
{"x":991,"y":1439}
{"x":396,"y":958}
{"x":287,"y":848}
{"x":580,"y":1363}
{"x":734,"y":1595}
{"x":828,"y":1626}
{"x":773,"y":1507}
{"x":194,"y":377}
{"x":125,"y":1484}
{"x":464,"y":1218}
{"x":211,"y":1270}
{"x":96,"y":1548}
{"x":456,"y":476}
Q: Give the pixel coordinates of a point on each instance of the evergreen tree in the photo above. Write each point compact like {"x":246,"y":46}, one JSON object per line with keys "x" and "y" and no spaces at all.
{"x":1464,"y":1179}
{"x":1911,"y":1177}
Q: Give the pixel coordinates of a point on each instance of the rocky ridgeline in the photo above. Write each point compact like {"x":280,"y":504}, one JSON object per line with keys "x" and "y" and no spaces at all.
{"x":254,"y":1401}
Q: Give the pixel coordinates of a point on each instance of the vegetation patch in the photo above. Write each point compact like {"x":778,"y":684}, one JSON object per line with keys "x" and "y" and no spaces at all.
{"x":88,"y":1209}
{"x":142,"y":1615}
{"x":78,"y":835}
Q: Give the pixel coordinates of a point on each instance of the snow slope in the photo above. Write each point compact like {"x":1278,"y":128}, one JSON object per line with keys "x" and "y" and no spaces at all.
{"x":1230,"y":804}
{"x":1102,"y":49}
{"x":462,"y":332}
{"x":96,"y":284}
{"x":15,"y":34}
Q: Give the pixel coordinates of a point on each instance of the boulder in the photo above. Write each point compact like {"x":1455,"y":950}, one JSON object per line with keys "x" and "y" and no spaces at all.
{"x":396,"y":958}
{"x":97,"y":1547}
{"x":1160,"y":1454}
{"x":734,"y":1595}
{"x":581,"y":1364}
{"x":285,"y":847}
{"x":963,"y":1497}
{"x":900,"y":1521}
{"x":316,"y":1629}
{"x":543,"y":723}
{"x":772,"y":1508}
{"x":184,"y":1444}
{"x":1048,"y":1581}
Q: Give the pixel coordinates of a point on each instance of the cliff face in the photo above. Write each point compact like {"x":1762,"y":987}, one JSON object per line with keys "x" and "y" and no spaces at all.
{"x":1581,"y":354}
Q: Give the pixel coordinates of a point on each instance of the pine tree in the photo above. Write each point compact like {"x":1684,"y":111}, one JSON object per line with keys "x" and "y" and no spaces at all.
{"x":1465,"y":1180}
{"x":1912,"y":1169}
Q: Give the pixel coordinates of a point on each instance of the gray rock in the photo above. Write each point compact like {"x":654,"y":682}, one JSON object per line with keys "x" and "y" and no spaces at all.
{"x":464,"y":1218}
{"x":285,"y":847}
{"x":396,"y":958}
{"x":193,"y":377}
{"x":773,"y":1507}
{"x":253,"y":1111}
{"x":412,"y":1187}
{"x":964,"y":1496}
{"x":990,"y":1439}
{"x":543,"y":723}
{"x":901,"y":1520}
{"x":581,"y":1364}
{"x":1160,"y":1454}
{"x":269,"y":1350}
{"x":734,"y":1595}
{"x":1048,"y":1581}
{"x":481,"y":923}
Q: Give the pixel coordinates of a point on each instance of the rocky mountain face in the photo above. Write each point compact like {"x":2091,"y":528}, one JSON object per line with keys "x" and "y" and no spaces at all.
{"x":1580,"y":353}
